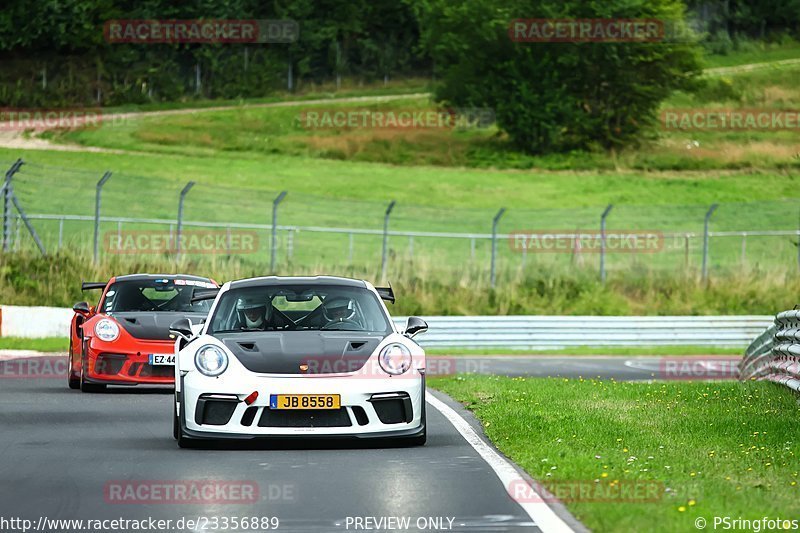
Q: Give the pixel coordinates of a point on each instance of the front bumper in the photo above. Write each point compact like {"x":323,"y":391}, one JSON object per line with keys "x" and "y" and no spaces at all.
{"x":360,"y":416}
{"x":129,"y":367}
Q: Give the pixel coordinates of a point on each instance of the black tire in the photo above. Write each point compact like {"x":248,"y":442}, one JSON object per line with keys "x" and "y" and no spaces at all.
{"x":73,"y":380}
{"x":85,"y":385}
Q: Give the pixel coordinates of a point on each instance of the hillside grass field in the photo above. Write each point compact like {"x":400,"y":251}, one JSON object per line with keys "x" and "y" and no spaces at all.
{"x":449,"y":181}
{"x":281,"y":131}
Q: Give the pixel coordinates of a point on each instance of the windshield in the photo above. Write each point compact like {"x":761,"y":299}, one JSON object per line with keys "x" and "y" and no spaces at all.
{"x":159,"y":295}
{"x":299,"y":307}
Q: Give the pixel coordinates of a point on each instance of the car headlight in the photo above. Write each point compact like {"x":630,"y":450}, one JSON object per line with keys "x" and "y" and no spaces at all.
{"x":395,"y":359}
{"x":211,"y":361}
{"x":106,"y":330}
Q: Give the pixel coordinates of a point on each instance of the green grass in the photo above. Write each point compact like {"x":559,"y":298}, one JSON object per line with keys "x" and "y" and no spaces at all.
{"x":425,"y":288}
{"x":350,"y":194}
{"x":722,"y":449}
{"x":311,"y":92}
{"x":346,"y":178}
{"x":623,"y":351}
{"x":447,"y":181}
{"x":754,"y":52}
{"x":159,"y":177}
{"x":47,"y":344}
{"x":249,"y":132}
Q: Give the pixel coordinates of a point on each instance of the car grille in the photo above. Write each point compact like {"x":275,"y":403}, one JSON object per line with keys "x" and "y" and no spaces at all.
{"x":109,"y":364}
{"x":305,"y":418}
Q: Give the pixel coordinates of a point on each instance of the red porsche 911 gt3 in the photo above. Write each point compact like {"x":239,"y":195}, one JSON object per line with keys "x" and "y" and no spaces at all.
{"x":125,"y":339}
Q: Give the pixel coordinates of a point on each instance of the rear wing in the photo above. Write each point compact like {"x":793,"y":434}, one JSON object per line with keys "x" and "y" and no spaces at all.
{"x":198,"y":295}
{"x":386,"y":293}
{"x":93,"y":285}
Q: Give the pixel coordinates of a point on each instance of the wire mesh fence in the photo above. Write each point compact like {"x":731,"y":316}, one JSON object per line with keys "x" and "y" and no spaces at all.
{"x":317,"y":230}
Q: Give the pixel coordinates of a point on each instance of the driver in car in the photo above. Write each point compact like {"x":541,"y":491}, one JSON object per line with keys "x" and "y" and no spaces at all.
{"x":255,"y":315}
{"x":340,"y":310}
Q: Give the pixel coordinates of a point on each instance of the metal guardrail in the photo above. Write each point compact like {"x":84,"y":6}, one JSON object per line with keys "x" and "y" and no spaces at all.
{"x":775,"y":354}
{"x":555,"y":332}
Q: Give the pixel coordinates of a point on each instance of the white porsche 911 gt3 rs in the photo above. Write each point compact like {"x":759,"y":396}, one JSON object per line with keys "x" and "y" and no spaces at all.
{"x":289,"y":357}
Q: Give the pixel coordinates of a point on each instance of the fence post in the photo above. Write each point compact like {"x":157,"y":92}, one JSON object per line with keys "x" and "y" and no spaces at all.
{"x":182,"y":197}
{"x":744,"y":248}
{"x":350,"y":251}
{"x":7,"y":192}
{"x":28,"y":225}
{"x":495,"y":220}
{"x":60,"y":232}
{"x":98,"y":191}
{"x":686,"y":251}
{"x":705,"y":238}
{"x":386,"y":238}
{"x":603,"y":242}
{"x":273,"y":246}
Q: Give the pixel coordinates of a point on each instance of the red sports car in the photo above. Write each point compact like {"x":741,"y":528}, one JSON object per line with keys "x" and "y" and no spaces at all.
{"x":125,"y":340}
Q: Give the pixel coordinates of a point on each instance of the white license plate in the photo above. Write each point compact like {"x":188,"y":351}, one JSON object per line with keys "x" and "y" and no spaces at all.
{"x":158,"y":359}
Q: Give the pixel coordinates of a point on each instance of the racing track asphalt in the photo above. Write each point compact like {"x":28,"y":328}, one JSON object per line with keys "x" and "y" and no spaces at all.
{"x":61,"y":449}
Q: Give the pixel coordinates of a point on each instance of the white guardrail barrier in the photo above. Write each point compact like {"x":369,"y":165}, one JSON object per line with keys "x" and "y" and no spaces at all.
{"x":553,"y":332}
{"x":775,"y":354}
{"x":496,"y":332}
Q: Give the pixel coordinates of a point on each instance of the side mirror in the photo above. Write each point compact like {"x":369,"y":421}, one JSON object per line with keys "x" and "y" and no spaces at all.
{"x":181,"y":328}
{"x":414,"y":326}
{"x":81,"y":308}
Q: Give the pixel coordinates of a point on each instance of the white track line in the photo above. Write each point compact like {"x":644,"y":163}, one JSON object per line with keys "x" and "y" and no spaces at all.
{"x":541,"y":514}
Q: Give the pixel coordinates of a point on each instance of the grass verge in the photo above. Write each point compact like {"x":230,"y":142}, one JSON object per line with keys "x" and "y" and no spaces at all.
{"x":47,"y":344}
{"x":715,"y":449}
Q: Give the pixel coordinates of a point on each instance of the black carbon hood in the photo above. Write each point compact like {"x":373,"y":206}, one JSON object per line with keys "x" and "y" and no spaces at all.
{"x":318,"y":352}
{"x":152,"y":326}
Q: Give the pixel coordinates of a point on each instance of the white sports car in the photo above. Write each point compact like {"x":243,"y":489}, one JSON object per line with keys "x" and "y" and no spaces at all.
{"x":298,"y":357}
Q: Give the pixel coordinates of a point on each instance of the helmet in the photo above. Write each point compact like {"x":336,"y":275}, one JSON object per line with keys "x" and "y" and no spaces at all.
{"x":338,"y":309}
{"x":252,"y":313}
